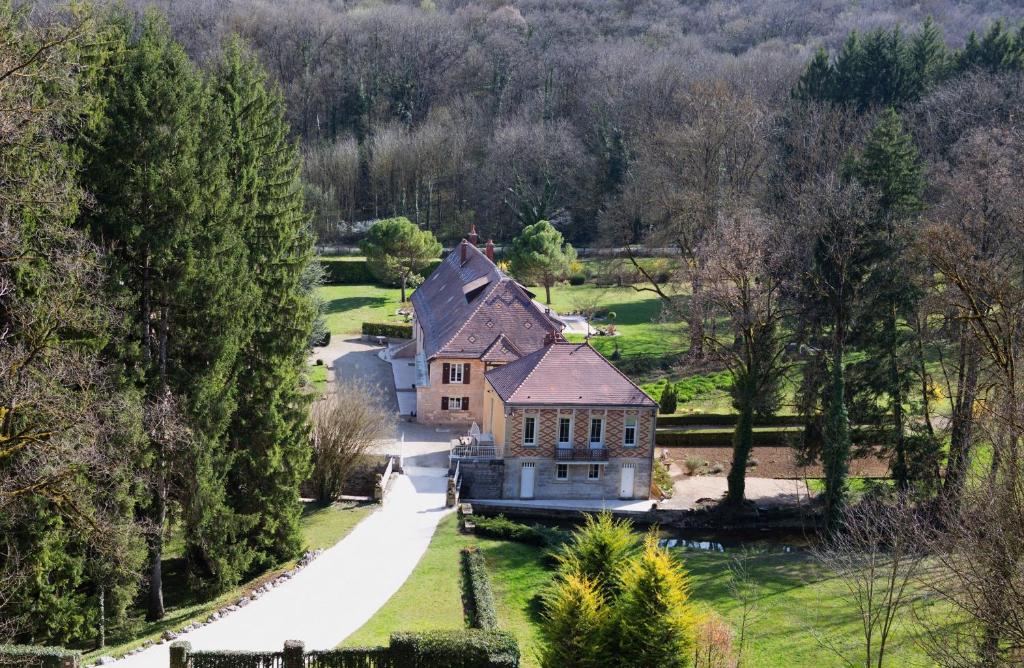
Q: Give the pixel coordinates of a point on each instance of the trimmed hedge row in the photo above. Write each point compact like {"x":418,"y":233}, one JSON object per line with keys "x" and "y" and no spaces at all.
{"x":478,"y":587}
{"x":470,"y":648}
{"x":502,"y":528}
{"x":33,"y":656}
{"x":727,"y":420}
{"x":772,"y":438}
{"x":392,"y":330}
{"x":356,"y":271}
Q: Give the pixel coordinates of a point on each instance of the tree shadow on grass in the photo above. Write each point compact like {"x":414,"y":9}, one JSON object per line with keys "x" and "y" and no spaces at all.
{"x":523,"y":571}
{"x":343,"y":304}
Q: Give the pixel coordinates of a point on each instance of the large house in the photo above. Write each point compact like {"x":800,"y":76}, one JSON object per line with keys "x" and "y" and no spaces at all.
{"x":554,"y":419}
{"x":470,"y":317}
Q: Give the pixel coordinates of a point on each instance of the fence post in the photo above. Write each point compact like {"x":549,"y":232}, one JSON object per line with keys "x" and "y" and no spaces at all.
{"x":179,"y":653}
{"x":293,"y":651}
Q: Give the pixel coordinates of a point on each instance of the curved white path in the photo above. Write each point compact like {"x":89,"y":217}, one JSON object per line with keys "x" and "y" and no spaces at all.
{"x":339,"y":591}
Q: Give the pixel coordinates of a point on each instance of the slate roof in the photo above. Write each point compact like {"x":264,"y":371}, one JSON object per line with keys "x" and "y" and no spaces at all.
{"x":564,"y":373}
{"x":463,"y":309}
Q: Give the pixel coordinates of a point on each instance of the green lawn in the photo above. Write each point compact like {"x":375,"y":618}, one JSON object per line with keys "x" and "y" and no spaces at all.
{"x":795,"y":600}
{"x":432,"y":596}
{"x":318,"y":378}
{"x":347,"y":307}
{"x":322,"y":527}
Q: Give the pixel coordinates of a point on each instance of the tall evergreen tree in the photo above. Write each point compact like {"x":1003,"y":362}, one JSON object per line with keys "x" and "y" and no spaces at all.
{"x":889,"y":166}
{"x":158,"y":171}
{"x":269,"y":430}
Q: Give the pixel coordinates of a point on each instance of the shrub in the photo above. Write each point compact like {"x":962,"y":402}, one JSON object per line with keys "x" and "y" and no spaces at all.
{"x":470,"y":648}
{"x":503,"y":528}
{"x":478,"y":586}
{"x":667,"y":403}
{"x":692,"y":465}
{"x":716,"y":468}
{"x":356,"y":271}
{"x":577,"y":279}
{"x":598,"y":549}
{"x":576,"y":618}
{"x":34,"y":656}
{"x":713,"y":646}
{"x":663,"y":479}
{"x":392,"y":330}
{"x":655,"y":622}
{"x":728,"y":420}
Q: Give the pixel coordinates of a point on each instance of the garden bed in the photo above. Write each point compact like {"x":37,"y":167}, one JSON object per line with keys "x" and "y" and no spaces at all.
{"x":772,"y":462}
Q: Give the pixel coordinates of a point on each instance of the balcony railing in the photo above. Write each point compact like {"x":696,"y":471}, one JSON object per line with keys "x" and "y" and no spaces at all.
{"x":581,"y":454}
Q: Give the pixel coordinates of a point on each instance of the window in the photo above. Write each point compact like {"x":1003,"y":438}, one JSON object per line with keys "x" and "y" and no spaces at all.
{"x":564,"y":431}
{"x":629,"y":440}
{"x":457,"y":374}
{"x":596,"y":431}
{"x":595,"y":472}
{"x":455,"y":403}
{"x":529,"y":430}
{"x":562,"y":472}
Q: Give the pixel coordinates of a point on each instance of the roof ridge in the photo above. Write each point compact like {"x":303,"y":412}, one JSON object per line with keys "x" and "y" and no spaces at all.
{"x":617,"y":370}
{"x":547,"y":350}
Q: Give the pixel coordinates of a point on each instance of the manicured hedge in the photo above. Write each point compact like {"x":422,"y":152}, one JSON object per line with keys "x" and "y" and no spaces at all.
{"x":355,"y":271}
{"x":502,"y":528}
{"x":34,"y":656}
{"x":392,"y":330}
{"x":478,"y":588}
{"x":727,"y":420}
{"x":471,"y":648}
{"x":346,"y":271}
{"x":714,"y":439}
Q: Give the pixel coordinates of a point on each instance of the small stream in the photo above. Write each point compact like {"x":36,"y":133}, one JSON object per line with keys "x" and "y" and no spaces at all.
{"x":729,"y":541}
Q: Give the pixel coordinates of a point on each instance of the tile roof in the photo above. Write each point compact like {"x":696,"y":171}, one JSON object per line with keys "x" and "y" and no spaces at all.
{"x":564,"y":373}
{"x":501,"y":350}
{"x":463,"y":309}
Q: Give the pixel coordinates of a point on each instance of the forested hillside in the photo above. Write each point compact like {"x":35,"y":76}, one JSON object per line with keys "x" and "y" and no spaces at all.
{"x":503,"y":113}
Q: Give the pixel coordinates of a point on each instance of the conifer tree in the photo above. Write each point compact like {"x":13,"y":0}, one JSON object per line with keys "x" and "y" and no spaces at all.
{"x":654,"y":623}
{"x":269,"y":429}
{"x":576,"y":618}
{"x":541,"y":255}
{"x":889,"y":166}
{"x":397,"y":251}
{"x":158,"y":171}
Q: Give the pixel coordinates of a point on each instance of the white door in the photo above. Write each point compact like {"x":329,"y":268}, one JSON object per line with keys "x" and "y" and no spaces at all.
{"x":526,"y":480}
{"x":626,"y":481}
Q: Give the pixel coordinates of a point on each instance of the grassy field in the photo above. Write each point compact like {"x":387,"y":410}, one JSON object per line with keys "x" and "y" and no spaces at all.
{"x":795,"y":601}
{"x":322,"y":527}
{"x":347,"y":307}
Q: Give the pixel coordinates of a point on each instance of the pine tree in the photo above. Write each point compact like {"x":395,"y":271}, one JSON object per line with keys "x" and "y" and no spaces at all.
{"x":929,"y":58}
{"x":598,"y":551}
{"x":890,"y":166}
{"x":817,"y":80}
{"x":269,"y":430}
{"x":158,"y":170}
{"x":541,"y":255}
{"x":397,"y":251}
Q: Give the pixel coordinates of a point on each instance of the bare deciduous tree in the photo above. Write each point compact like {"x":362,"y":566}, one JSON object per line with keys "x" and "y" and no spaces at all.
{"x":347,"y":424}
{"x":877,"y":558}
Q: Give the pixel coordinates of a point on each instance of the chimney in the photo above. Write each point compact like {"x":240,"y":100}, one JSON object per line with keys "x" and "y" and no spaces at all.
{"x":473,"y":238}
{"x":464,"y":248}
{"x":489,"y":250}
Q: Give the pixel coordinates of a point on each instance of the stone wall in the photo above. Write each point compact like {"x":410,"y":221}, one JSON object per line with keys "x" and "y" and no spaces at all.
{"x":482,"y":479}
{"x":578,"y":486}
